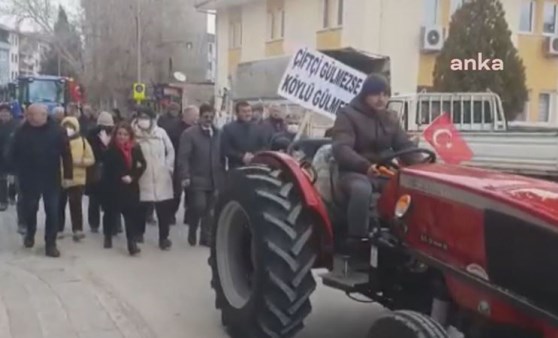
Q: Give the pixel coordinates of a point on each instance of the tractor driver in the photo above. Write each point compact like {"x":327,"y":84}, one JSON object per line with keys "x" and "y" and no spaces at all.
{"x":363,"y":131}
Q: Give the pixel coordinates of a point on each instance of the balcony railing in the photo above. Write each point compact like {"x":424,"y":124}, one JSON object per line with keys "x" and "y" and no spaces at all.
{"x":205,"y":5}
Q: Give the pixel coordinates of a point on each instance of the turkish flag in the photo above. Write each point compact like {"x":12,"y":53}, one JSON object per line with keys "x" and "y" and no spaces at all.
{"x":445,"y":139}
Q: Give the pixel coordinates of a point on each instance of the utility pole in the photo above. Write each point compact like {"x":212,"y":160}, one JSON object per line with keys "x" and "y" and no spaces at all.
{"x":138,"y":35}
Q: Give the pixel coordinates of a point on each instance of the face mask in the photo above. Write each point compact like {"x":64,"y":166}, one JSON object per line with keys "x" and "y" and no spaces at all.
{"x":144,"y":123}
{"x":70,"y":132}
{"x":292,"y":128}
{"x":104,"y":137}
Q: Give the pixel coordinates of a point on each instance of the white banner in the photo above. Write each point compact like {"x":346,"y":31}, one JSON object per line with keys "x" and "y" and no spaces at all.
{"x":320,"y":83}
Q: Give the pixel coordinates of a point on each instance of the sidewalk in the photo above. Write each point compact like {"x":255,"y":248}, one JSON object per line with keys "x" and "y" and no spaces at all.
{"x":42,"y":298}
{"x":57,"y":298}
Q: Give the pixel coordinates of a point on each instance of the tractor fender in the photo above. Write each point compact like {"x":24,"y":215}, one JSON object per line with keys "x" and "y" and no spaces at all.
{"x":310,"y":197}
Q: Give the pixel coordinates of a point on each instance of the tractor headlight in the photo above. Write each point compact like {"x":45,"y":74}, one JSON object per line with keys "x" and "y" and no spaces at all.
{"x":402,"y":206}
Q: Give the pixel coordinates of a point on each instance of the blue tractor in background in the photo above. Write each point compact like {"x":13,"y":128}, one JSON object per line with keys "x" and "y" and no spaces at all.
{"x":52,"y":91}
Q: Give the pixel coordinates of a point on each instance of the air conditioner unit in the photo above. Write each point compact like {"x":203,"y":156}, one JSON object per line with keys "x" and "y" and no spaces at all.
{"x":432,"y":38}
{"x":551,"y":45}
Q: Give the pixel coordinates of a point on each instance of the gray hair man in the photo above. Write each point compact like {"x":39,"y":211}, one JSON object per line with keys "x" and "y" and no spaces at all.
{"x":58,"y":114}
{"x":38,"y":148}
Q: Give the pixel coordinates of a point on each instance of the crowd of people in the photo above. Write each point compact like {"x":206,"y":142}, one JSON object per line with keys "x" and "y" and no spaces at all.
{"x":129,"y":168}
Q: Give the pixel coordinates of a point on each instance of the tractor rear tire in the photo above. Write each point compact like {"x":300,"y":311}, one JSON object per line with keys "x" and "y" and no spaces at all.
{"x":406,"y":324}
{"x":262,"y":254}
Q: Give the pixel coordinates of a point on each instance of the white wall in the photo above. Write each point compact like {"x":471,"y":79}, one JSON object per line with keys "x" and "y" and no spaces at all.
{"x":387,"y":27}
{"x":254,"y":24}
{"x":222,"y":44}
{"x":302,"y":20}
{"x":14,"y":50}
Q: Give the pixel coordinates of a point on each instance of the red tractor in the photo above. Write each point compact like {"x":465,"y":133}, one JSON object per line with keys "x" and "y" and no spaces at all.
{"x":461,"y":252}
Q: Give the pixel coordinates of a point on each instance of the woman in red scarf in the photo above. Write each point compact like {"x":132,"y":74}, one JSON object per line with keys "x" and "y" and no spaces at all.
{"x":123,"y":166}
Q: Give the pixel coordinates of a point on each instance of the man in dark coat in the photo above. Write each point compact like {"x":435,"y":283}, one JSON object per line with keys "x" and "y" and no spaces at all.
{"x":242,"y":138}
{"x":39,"y":146}
{"x":7,"y":127}
{"x":87,"y":120}
{"x":174,"y":125}
{"x":201,"y":170}
{"x":274,"y":124}
{"x":363,"y":131}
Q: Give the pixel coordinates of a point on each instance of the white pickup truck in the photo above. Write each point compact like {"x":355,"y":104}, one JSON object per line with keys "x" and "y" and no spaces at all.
{"x":480,"y":119}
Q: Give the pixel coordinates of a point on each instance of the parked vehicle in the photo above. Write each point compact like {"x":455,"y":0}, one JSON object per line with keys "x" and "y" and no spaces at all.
{"x":531,"y":151}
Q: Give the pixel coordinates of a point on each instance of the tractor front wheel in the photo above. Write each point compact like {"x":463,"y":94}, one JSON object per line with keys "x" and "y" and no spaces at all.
{"x":406,"y":324}
{"x":262,"y":255}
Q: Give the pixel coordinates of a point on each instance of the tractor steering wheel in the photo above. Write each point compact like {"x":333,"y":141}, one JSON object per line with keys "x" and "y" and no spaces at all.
{"x":389,"y":163}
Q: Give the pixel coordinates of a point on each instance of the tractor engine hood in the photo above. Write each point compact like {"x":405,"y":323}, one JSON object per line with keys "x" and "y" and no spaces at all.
{"x":537,"y":198}
{"x":500,"y":227}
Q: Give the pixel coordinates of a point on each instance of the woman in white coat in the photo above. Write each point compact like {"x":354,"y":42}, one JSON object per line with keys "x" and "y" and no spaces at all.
{"x":156,"y":184}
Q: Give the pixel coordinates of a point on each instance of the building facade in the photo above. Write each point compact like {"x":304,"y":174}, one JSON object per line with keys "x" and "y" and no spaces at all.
{"x":32,"y":50}
{"x":14,"y":54}
{"x":185,"y":40}
{"x":4,"y":56}
{"x":20,"y":54}
{"x":410,"y":32}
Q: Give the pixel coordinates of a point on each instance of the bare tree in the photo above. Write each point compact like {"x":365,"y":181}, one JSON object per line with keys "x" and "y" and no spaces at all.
{"x":110,"y":36}
{"x":41,"y":13}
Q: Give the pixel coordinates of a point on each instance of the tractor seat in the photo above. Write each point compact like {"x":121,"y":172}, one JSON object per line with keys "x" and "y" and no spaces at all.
{"x":328,"y":177}
{"x":326,"y":184}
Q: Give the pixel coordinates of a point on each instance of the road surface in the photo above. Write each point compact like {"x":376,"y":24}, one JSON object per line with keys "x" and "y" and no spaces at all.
{"x":91,"y":292}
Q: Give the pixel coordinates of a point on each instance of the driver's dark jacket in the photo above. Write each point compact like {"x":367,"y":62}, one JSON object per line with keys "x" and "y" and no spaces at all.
{"x":361,"y":135}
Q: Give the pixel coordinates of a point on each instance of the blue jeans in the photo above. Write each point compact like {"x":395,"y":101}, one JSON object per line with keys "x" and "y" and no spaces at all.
{"x":31,"y":199}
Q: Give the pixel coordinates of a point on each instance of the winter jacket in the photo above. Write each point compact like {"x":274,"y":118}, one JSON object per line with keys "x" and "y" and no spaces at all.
{"x":156,"y":184}
{"x":199,"y":158}
{"x":361,"y":136}
{"x":174,"y":126}
{"x":115,"y":193}
{"x":99,"y":150}
{"x":36,"y":154}
{"x":239,"y":138}
{"x":270,"y":127}
{"x":87,"y":124}
{"x":7,"y":131}
{"x":82,"y":154}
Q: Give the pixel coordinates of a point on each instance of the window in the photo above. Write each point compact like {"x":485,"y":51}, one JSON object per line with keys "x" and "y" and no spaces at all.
{"x":332,"y":13}
{"x":455,"y":5}
{"x":235,"y":34}
{"x":549,"y":24}
{"x":340,"y":12}
{"x":527,"y":16}
{"x":270,"y":25}
{"x":430,"y":12}
{"x":523,"y":116}
{"x":282,"y":23}
{"x":327,"y":9}
{"x":545,"y":104}
{"x":275,"y":24}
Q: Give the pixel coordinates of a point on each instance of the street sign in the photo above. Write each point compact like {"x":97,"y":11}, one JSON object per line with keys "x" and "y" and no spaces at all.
{"x":139,"y":91}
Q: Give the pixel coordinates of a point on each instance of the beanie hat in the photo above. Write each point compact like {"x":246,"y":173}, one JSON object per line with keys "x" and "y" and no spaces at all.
{"x":105,"y":119}
{"x":143,"y":110}
{"x":374,"y":85}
